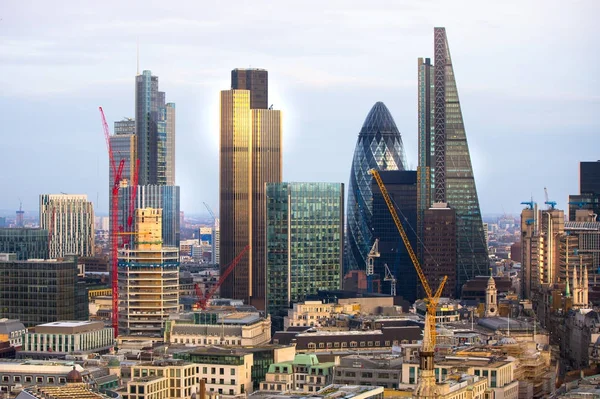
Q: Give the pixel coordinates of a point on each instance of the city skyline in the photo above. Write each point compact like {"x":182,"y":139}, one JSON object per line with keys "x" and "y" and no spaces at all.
{"x":511,"y":113}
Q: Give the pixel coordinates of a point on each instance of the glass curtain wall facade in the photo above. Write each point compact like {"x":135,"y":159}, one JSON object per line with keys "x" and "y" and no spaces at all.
{"x":255,"y":80}
{"x":305,"y":229}
{"x":166,"y":198}
{"x":156,"y":134}
{"x":453,"y":180}
{"x":379,"y":146}
{"x":402,"y":188}
{"x":25,"y":243}
{"x":37,"y":292}
{"x":250,"y":148}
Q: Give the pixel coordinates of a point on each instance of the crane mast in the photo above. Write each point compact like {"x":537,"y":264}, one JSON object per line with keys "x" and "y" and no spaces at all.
{"x":427,"y":385}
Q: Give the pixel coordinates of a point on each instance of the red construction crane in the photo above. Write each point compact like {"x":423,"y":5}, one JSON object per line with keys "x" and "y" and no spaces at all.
{"x":117,"y":173}
{"x":136,"y":175}
{"x":51,"y":229}
{"x":203,"y":301}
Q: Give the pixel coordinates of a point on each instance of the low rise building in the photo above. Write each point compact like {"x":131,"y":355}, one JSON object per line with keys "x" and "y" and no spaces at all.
{"x":304,"y":374}
{"x":24,"y":373}
{"x":331,"y":341}
{"x":219,"y":328}
{"x":447,"y":311}
{"x":333,"y":391}
{"x":172,"y":378}
{"x":314,"y":313}
{"x":381,"y":370}
{"x":12,"y":331}
{"x":499,"y":372}
{"x":58,"y":339}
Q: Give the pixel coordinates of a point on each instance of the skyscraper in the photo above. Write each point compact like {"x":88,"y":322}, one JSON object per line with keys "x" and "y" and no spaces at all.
{"x":255,"y":80}
{"x":588,"y":198}
{"x":305,"y":241}
{"x":148,"y":278}
{"x":155,"y":128}
{"x":439,"y":238}
{"x":69,"y":219}
{"x":124,"y":146}
{"x":402,"y":188}
{"x":250,"y":156}
{"x":379,"y":146}
{"x":444,"y":159}
{"x":26,"y":243}
{"x":166,"y":198}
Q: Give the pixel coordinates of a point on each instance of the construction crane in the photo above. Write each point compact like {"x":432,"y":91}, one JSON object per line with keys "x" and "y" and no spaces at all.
{"x":210,"y":211}
{"x":389,"y":276}
{"x":374,"y":253}
{"x":530,"y":204}
{"x":117,"y":172}
{"x":551,"y":204}
{"x":427,"y":384}
{"x":203,"y":301}
{"x":51,"y":229}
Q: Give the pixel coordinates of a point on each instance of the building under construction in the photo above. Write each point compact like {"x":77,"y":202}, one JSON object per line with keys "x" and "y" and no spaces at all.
{"x":148,"y":278}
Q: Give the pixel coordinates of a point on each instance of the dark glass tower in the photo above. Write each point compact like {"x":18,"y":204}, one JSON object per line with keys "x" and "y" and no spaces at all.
{"x":255,"y":80}
{"x":443,"y":139}
{"x":379,"y":146}
{"x":402,"y":188}
{"x":589,"y":190}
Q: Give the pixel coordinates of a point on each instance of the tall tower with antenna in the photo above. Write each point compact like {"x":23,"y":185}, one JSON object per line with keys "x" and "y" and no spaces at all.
{"x":20,"y":220}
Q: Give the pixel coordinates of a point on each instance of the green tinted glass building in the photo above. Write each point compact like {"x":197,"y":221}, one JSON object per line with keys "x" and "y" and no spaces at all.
{"x":25,"y":243}
{"x":304,"y":231}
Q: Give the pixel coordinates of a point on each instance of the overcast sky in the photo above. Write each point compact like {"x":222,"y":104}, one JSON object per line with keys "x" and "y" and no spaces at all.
{"x":527,"y":74}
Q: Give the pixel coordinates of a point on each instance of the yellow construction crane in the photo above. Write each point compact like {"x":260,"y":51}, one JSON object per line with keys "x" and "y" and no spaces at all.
{"x":432,"y":298}
{"x":427,"y":387}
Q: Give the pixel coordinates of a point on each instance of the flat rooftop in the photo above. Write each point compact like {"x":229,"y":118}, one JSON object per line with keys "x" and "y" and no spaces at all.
{"x":334,"y":391}
{"x":69,"y":327}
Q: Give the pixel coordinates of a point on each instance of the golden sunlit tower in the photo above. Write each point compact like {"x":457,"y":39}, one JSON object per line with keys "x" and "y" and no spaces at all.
{"x":250,"y":156}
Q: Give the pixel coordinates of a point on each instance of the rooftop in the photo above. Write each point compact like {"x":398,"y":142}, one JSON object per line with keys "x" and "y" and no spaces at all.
{"x":74,"y":391}
{"x":334,"y":391}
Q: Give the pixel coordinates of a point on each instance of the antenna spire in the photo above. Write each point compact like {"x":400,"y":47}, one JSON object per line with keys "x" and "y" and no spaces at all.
{"x":138,"y":56}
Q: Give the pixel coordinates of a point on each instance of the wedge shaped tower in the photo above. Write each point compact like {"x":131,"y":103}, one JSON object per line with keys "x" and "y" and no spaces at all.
{"x":379,"y":146}
{"x":445,"y":169}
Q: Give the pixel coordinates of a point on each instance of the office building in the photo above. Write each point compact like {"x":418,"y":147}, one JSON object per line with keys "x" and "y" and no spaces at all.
{"x":219,"y":328}
{"x":379,"y":370}
{"x":2,"y":222}
{"x":380,"y":147}
{"x":124,"y":146}
{"x":303,"y":374}
{"x":162,"y":379}
{"x":166,"y":198}
{"x":402,"y":187}
{"x":255,"y":80}
{"x":38,"y":291}
{"x":439,"y":243}
{"x":12,"y":331}
{"x":155,"y":130}
{"x":148,"y":278}
{"x":250,"y":148}
{"x":24,"y":373}
{"x":444,"y":162}
{"x":26,"y":243}
{"x":588,"y":198}
{"x":305,"y":233}
{"x":58,"y":339}
{"x":69,"y":219}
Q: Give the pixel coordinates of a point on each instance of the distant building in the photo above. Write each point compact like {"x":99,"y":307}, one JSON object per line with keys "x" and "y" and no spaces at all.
{"x":589,"y":190}
{"x":402,"y":188}
{"x":305,"y":240}
{"x":439,"y":248}
{"x":38,"y":291}
{"x":58,"y":339}
{"x":2,"y":222}
{"x":148,"y":278}
{"x":329,"y":392}
{"x":70,"y":220}
{"x":26,"y":243}
{"x":162,"y":379}
{"x":475,"y":289}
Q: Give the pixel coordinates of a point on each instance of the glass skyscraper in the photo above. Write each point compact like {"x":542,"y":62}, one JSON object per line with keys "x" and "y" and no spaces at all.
{"x":305,"y":229}
{"x":380,"y":147}
{"x":250,"y":148}
{"x":155,"y":129}
{"x":445,"y":170}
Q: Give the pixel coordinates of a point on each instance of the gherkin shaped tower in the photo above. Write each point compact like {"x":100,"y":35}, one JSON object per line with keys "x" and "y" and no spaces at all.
{"x":379,"y":146}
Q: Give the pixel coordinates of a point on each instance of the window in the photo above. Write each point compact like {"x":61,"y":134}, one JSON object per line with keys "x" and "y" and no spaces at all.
{"x":28,"y":378}
{"x":221,"y":371}
{"x":321,"y":345}
{"x":232,"y":371}
{"x":204,"y":370}
{"x":362,"y":344}
{"x":4,"y":378}
{"x":39,"y":379}
{"x":353,"y":344}
{"x":50,"y":380}
{"x":17,"y":378}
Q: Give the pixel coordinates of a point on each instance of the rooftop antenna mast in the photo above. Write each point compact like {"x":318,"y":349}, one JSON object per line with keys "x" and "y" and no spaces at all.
{"x":138,"y":56}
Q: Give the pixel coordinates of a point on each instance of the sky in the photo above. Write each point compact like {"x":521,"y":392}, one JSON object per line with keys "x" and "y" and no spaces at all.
{"x":527,"y":75}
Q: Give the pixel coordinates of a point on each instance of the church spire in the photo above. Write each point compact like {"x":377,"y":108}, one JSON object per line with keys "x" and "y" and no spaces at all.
{"x":567,"y":290}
